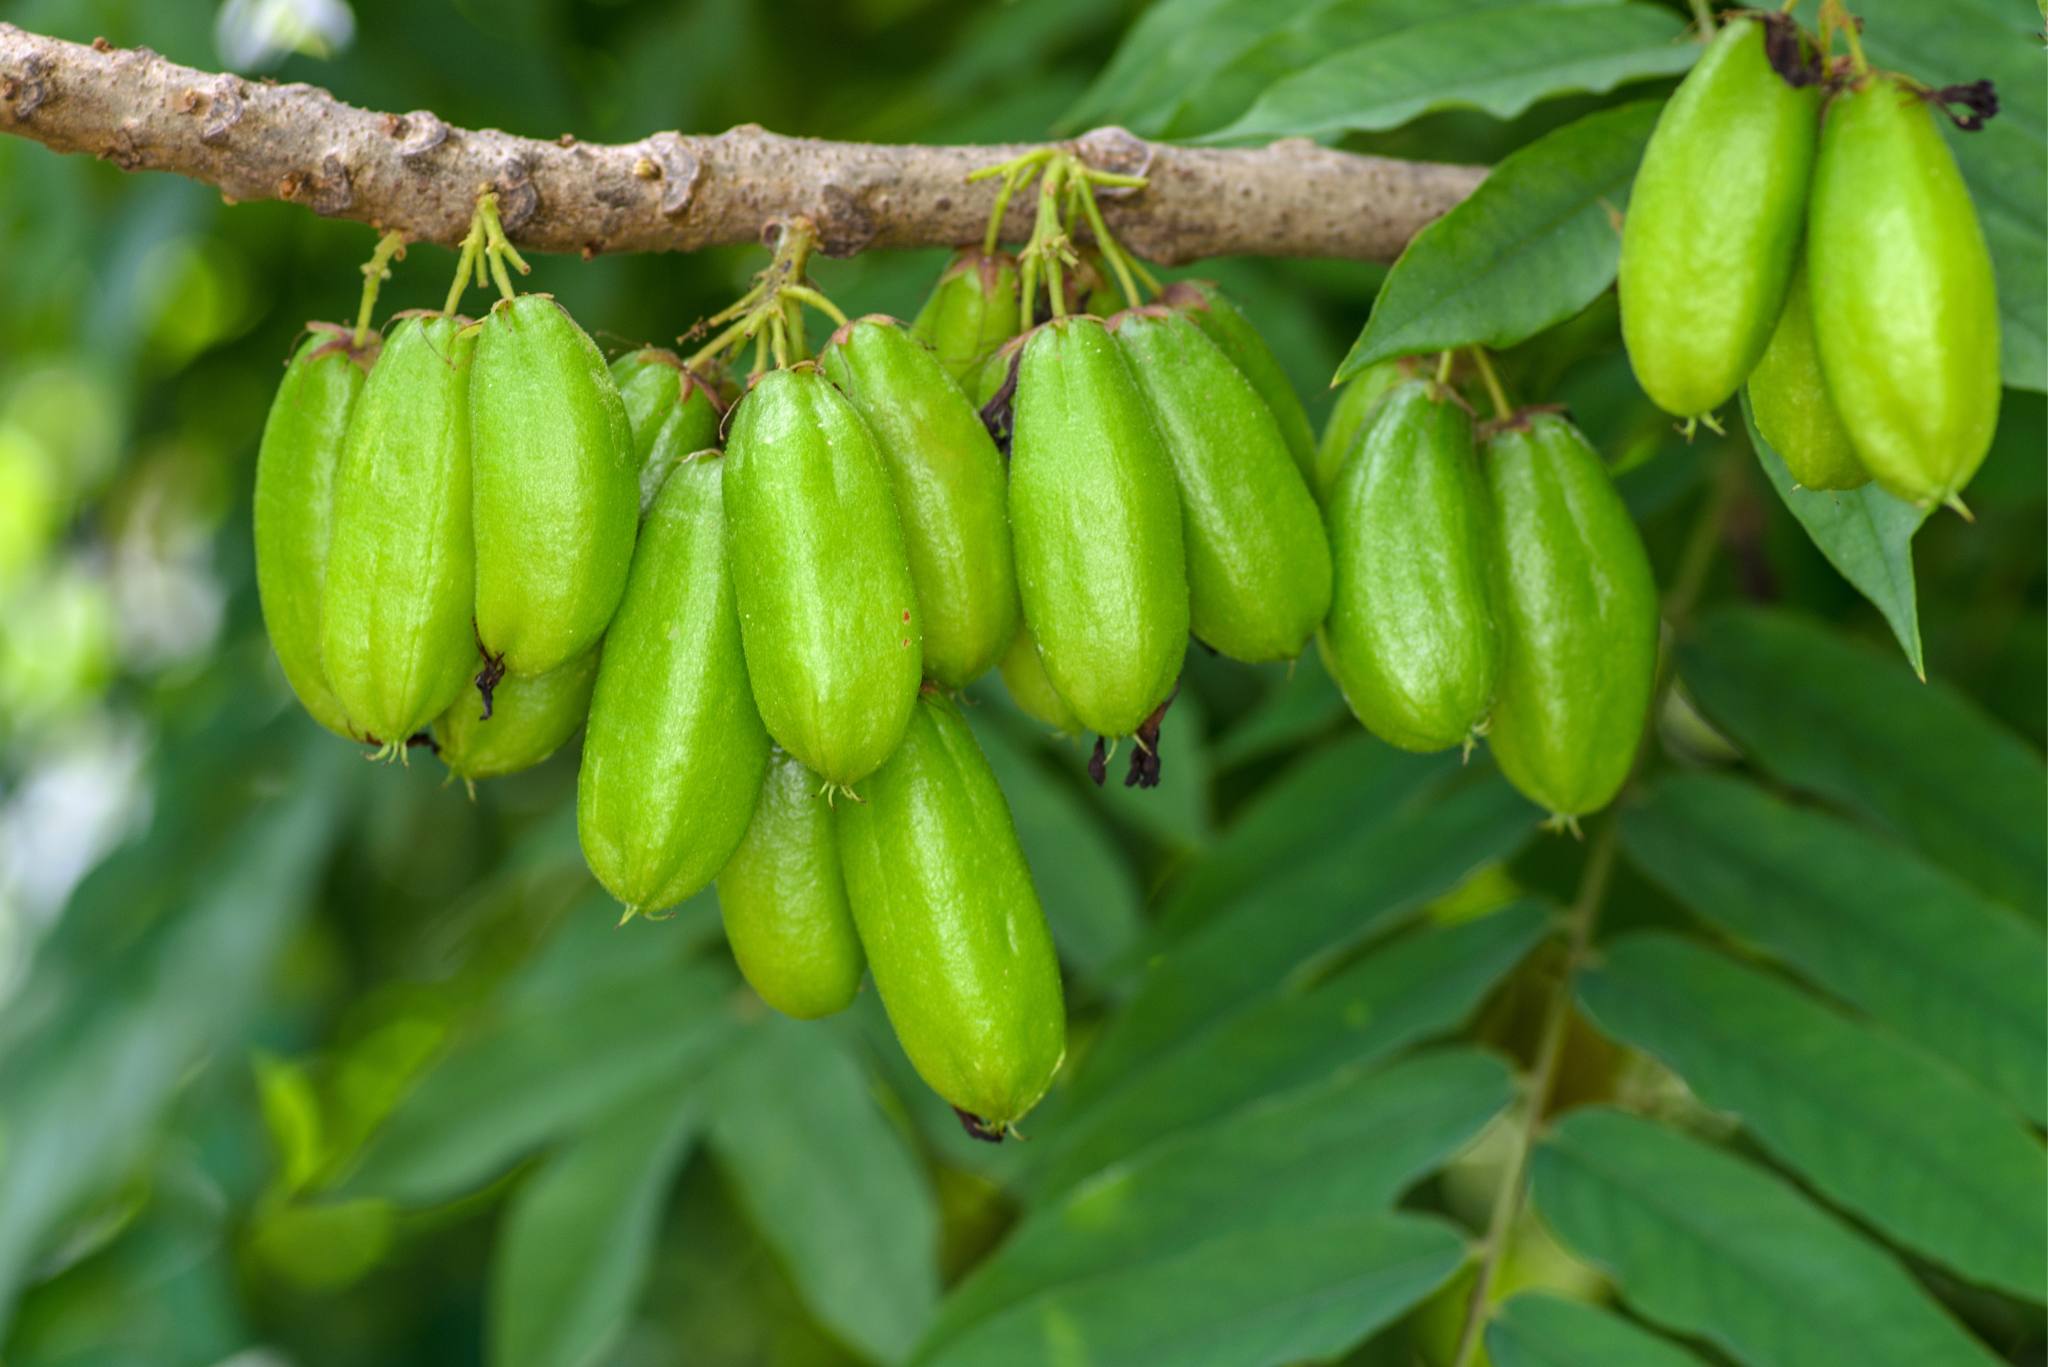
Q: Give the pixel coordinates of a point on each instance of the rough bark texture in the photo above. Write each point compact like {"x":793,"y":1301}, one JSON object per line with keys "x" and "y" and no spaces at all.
{"x":676,"y":192}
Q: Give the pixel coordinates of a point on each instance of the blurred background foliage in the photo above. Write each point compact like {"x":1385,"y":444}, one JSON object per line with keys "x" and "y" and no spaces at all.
{"x":309,"y":1062}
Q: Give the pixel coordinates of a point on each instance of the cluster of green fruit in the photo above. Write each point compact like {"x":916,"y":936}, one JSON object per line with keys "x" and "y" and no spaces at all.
{"x":1799,"y":224}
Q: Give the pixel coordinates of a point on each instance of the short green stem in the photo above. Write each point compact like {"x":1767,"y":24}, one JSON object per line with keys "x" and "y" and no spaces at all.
{"x":1502,"y":409}
{"x":376,"y":271}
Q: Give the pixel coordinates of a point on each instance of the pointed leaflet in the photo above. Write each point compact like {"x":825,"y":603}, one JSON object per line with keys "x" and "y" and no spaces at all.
{"x":1957,"y":976}
{"x":829,"y":1182}
{"x":573,"y":1251}
{"x":1533,"y":245}
{"x":1350,"y":1142}
{"x":1873,"y":1124}
{"x":1834,"y":717}
{"x":1501,"y":63}
{"x":1714,"y":1245}
{"x":1866,"y":534}
{"x":1418,"y":986}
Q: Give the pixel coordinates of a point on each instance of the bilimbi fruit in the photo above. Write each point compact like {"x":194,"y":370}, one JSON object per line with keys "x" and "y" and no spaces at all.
{"x":827,"y":608}
{"x":675,"y":752}
{"x":531,"y":716}
{"x":295,"y":476}
{"x":973,"y":310}
{"x":671,"y":412}
{"x":952,"y":924}
{"x":1713,"y":223}
{"x":1578,"y":618}
{"x":783,"y":899}
{"x":1789,"y":397}
{"x":1905,"y":310}
{"x":1096,"y":523}
{"x":557,"y":488}
{"x":1234,"y":333}
{"x":1411,"y":637}
{"x":949,"y":492}
{"x":397,"y":640}
{"x":1258,"y":566}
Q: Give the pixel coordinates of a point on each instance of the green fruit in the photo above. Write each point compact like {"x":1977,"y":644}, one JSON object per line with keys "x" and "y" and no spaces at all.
{"x":1578,"y":618}
{"x":671,"y":412}
{"x":674,"y":752}
{"x":531,"y":715}
{"x":1096,"y":523}
{"x":1905,"y":312}
{"x":1358,"y":403}
{"x":952,"y":925}
{"x":1411,"y":639}
{"x":826,"y":604}
{"x":1789,"y":399}
{"x":1713,"y":224}
{"x":1024,"y":676}
{"x":295,"y":474}
{"x":1229,"y":329}
{"x":784,"y":901}
{"x":1258,"y":563}
{"x":396,"y":633}
{"x":948,"y":482}
{"x":557,"y":488}
{"x":973,"y":310}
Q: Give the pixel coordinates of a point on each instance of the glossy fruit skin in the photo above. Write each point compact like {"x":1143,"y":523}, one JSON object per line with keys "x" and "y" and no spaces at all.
{"x":1578,"y":618}
{"x":1025,"y":678}
{"x":948,"y":483}
{"x":1411,"y":638}
{"x":396,"y":633}
{"x":1713,"y":224}
{"x":973,"y":309}
{"x":827,"y":608}
{"x":1788,"y":396}
{"x":1230,"y":330}
{"x":674,"y":753}
{"x":557,"y":486}
{"x":784,"y":901}
{"x":1358,"y":403}
{"x":1258,"y":563}
{"x":952,"y":925}
{"x":1905,"y":310}
{"x":671,"y":413}
{"x":531,"y":716}
{"x":295,"y":473}
{"x":1096,"y":523}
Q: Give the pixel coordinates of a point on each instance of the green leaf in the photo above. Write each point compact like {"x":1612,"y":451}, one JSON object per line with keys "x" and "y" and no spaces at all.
{"x":1087,"y":887}
{"x":567,"y":1044}
{"x":1300,"y":914}
{"x":578,"y":1235}
{"x":1242,"y":1299}
{"x":1501,"y":63}
{"x":1352,"y":1142}
{"x":1421,"y":985}
{"x":1715,"y":1246}
{"x":1872,"y":1124}
{"x":1832,"y":717}
{"x":83,"y":1086}
{"x":1866,"y":534}
{"x":1300,"y":703}
{"x":1958,"y":976}
{"x":1535,"y":1330}
{"x":1969,"y":40}
{"x":829,"y":1183}
{"x":1170,"y":41}
{"x":1533,"y":245}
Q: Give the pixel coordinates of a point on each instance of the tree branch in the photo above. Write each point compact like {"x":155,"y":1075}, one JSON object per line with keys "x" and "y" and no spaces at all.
{"x":673,"y":192}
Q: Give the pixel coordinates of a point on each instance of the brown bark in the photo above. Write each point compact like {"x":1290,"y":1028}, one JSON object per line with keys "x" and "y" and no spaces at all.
{"x":677,"y":192}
